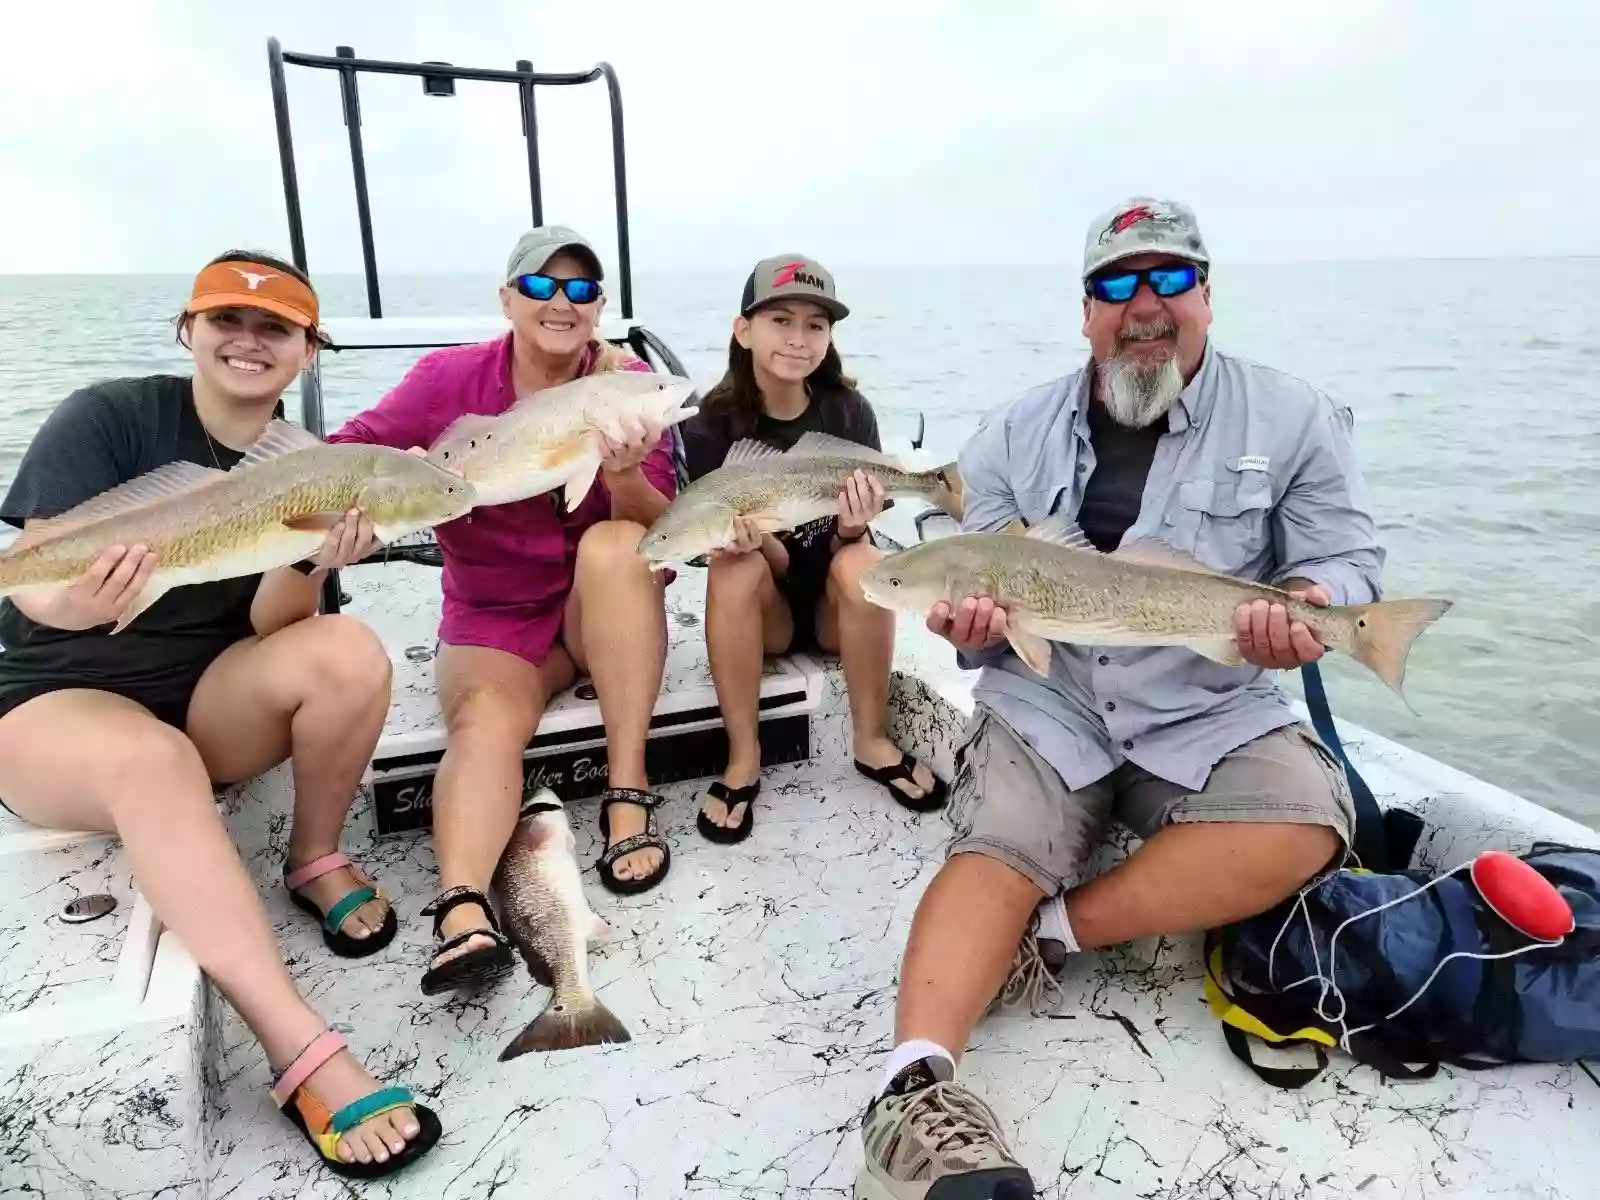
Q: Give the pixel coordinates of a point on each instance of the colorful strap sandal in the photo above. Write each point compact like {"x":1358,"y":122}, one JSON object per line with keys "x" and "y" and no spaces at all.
{"x":480,"y":965}
{"x":605,"y":867}
{"x":343,"y":944}
{"x":930,"y":800}
{"x":323,"y":1129}
{"x":731,"y":798}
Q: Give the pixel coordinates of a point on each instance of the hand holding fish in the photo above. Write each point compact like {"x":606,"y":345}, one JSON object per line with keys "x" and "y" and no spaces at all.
{"x":860,"y":500}
{"x":102,"y":594}
{"x":349,"y":541}
{"x":1267,"y":638}
{"x":635,"y":438}
{"x":746,"y":538}
{"x":972,"y":626}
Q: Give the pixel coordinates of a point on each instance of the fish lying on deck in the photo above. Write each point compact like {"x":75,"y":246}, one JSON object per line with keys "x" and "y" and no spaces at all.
{"x":1055,"y":586}
{"x":550,"y":438}
{"x":272,"y":509}
{"x":781,"y":490}
{"x":545,"y":914}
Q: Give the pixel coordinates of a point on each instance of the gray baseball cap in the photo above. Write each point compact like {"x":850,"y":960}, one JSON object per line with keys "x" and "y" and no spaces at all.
{"x":1143,"y":225}
{"x":791,"y":277}
{"x":538,"y":246}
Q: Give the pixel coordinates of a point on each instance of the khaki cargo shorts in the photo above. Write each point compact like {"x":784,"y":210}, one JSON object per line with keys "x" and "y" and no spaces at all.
{"x":1008,"y":803}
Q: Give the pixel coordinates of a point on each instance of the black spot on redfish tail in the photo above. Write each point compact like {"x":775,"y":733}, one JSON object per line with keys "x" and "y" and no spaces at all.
{"x":561,"y":1027}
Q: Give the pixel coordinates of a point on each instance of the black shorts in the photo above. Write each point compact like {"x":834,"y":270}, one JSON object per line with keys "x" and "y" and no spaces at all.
{"x":163,"y":681}
{"x":802,"y":588}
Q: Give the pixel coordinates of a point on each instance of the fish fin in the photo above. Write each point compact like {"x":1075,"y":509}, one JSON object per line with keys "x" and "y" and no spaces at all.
{"x":142,"y":601}
{"x":749,"y":450}
{"x":1060,"y":530}
{"x":1031,"y":649}
{"x":278,"y":438}
{"x":1384,"y":633}
{"x":1224,"y":650}
{"x":564,"y":1027}
{"x":319,"y":522}
{"x":598,"y":928}
{"x":164,"y":483}
{"x":817,"y":445}
{"x":468,"y":425}
{"x":581,"y":480}
{"x":1153,"y":552}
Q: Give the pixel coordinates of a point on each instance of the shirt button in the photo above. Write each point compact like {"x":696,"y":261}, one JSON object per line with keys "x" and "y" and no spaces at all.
{"x":1104,"y":660}
{"x":1127,"y":745}
{"x":1111,"y":706}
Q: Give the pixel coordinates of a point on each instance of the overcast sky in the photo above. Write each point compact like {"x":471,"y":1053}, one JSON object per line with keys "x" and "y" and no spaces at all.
{"x":863,"y":133}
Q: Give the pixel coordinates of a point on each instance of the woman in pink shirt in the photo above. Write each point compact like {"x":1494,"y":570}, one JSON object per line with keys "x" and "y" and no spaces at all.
{"x":534,"y":595}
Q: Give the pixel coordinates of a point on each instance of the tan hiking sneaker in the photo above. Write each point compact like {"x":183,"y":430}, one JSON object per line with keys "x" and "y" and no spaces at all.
{"x":1031,"y":979}
{"x":927,"y":1138}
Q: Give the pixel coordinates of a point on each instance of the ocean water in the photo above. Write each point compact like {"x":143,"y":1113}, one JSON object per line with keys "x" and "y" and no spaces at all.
{"x":1476,"y":388}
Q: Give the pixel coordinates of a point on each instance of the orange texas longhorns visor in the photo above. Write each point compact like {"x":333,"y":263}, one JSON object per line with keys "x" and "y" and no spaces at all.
{"x":252,"y":285}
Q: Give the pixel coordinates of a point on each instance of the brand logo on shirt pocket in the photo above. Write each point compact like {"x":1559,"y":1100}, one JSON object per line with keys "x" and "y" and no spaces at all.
{"x":1250,"y":462}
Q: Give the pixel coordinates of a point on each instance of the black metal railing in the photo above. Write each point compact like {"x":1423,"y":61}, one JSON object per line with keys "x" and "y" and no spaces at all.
{"x":438,"y":80}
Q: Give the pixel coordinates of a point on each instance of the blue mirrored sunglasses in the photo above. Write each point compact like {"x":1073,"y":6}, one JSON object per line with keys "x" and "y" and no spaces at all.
{"x":1118,"y":287}
{"x":543,"y":287}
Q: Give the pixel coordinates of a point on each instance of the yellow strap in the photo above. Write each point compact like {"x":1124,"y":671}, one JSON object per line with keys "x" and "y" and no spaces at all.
{"x":1224,"y":1009}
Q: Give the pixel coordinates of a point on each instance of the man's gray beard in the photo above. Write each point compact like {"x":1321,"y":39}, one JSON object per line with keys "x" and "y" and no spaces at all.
{"x":1136,"y":395}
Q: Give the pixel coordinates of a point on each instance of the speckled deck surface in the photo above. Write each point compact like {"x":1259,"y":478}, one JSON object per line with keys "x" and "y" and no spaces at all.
{"x":758,"y":985}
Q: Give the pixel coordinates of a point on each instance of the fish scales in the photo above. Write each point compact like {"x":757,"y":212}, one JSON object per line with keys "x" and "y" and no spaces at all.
{"x":1054,"y":586}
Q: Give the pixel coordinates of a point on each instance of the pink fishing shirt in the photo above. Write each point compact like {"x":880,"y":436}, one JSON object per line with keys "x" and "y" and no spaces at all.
{"x":508,"y":568}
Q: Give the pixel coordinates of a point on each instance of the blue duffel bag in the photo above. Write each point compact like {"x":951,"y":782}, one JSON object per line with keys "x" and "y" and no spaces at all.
{"x":1405,"y":972}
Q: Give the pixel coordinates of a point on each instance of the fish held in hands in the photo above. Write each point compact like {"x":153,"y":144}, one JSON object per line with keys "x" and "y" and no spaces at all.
{"x":551,"y":438}
{"x":780,"y":490}
{"x":1055,"y":586}
{"x":273,"y":509}
{"x":538,"y":891}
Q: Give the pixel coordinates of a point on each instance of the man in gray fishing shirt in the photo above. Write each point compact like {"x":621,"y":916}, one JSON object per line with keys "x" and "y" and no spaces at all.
{"x":1252,"y":472}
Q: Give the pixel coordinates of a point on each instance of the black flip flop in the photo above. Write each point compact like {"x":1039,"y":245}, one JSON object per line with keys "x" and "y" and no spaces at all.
{"x":728,"y":834}
{"x":475,"y":967}
{"x":605,"y":866}
{"x":933,"y":799}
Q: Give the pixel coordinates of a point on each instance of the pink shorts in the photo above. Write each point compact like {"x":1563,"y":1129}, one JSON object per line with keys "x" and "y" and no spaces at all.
{"x":526,"y":630}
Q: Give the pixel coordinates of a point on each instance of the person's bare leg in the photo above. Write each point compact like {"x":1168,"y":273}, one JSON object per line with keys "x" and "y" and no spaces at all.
{"x":962,"y":941}
{"x":317,"y":693}
{"x":862,"y":634}
{"x":616,"y":632}
{"x":746,"y":619}
{"x":1195,"y":876}
{"x":492,"y":702}
{"x":146,"y":783}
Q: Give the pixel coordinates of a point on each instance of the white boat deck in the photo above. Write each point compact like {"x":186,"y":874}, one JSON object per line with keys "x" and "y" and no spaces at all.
{"x":758,"y":984}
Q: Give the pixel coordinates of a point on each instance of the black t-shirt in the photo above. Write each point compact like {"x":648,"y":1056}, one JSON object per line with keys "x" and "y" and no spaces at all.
{"x":96,"y":438}
{"x":1122,"y":459}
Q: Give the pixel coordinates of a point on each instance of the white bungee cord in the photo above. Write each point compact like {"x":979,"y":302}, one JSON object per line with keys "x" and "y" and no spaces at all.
{"x":1330,"y":985}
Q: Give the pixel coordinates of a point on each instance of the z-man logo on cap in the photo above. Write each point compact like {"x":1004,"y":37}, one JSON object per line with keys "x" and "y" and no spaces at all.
{"x":252,"y":280}
{"x":792,"y":273}
{"x":1125,"y":221}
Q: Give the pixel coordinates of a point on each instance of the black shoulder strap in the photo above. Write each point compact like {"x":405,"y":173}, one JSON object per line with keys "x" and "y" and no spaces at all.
{"x":1384,"y":842}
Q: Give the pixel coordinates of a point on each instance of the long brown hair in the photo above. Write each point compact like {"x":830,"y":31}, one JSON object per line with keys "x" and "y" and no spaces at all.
{"x":736,"y":399}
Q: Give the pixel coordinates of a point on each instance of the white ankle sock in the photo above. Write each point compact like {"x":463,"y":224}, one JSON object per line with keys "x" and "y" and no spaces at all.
{"x":1053,"y":924}
{"x":907,"y":1053}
